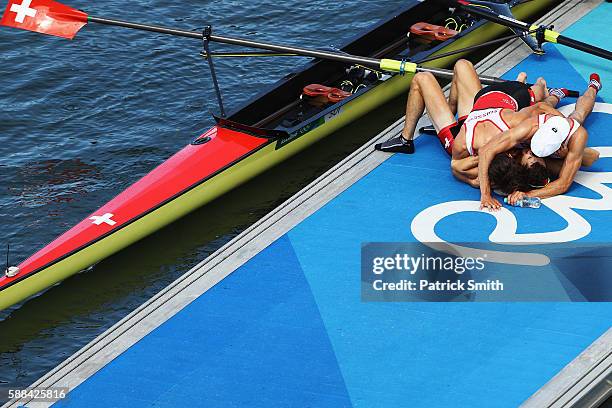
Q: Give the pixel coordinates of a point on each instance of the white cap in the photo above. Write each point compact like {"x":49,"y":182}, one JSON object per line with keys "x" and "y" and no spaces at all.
{"x":552,"y":133}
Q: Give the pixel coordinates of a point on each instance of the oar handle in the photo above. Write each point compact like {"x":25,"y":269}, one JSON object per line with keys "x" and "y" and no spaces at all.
{"x":581,"y":46}
{"x":411,"y":67}
{"x":570,"y":93}
{"x":485,"y":79}
{"x":573,"y":94}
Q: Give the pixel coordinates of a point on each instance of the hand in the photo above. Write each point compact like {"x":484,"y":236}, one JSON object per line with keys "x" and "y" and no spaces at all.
{"x":515,"y":197}
{"x":488,"y":202}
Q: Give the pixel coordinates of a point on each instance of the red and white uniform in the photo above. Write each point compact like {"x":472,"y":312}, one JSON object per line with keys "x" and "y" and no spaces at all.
{"x":496,"y":99}
{"x":488,"y":108}
{"x":475,"y":118}
{"x":488,"y":103}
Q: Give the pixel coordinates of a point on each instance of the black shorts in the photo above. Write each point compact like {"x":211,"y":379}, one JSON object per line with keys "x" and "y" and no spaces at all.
{"x":519,"y":91}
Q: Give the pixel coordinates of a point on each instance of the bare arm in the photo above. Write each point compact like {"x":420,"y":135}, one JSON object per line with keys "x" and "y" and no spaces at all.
{"x":540,"y":107}
{"x":466,"y":170}
{"x":570,"y":167}
{"x":496,"y":145}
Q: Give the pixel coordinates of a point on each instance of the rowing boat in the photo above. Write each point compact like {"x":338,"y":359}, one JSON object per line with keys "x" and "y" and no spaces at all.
{"x":267,"y":130}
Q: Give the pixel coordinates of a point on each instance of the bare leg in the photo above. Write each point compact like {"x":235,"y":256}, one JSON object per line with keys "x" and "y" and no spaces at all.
{"x":425,"y":92}
{"x":540,"y":91}
{"x":467,"y":84}
{"x":589,"y":157}
{"x":584,"y":105}
{"x":453,"y":97}
{"x":551,"y":100}
{"x":415,"y":107}
{"x":464,"y":87}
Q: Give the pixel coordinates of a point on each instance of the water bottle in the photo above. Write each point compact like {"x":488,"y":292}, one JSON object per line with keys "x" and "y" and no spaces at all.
{"x":527,"y":202}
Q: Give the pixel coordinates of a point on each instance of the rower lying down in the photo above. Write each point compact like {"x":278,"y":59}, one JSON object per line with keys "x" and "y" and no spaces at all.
{"x":490,"y":142}
{"x":552,"y":146}
{"x":466,"y":94}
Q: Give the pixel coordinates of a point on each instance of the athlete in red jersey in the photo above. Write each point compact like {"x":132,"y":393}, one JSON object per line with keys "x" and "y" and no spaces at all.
{"x":552,"y":141}
{"x":486,"y":113}
{"x":466,"y":90}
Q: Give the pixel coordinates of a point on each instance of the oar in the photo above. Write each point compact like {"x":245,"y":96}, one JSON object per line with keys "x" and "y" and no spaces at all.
{"x":384,"y":64}
{"x":51,"y":17}
{"x":389,"y":65}
{"x":263,"y":54}
{"x":57,"y":19}
{"x":541,"y":33}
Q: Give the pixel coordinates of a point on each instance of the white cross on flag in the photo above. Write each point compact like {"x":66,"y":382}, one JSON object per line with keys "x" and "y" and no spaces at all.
{"x":103,"y":219}
{"x":44,"y":16}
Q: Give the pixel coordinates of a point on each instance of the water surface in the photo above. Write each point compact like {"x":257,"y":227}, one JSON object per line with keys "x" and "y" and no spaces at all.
{"x":81,"y":120}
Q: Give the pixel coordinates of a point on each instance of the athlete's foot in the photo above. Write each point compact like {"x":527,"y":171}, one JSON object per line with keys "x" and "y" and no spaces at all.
{"x":396,"y":144}
{"x":542,"y":89}
{"x":522,"y":77}
{"x":595,"y":82}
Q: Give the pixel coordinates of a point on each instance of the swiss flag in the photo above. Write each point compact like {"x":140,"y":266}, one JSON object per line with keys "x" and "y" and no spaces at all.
{"x":44,"y":16}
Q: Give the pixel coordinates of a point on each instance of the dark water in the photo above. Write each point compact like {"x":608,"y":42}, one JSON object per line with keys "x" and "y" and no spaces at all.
{"x":82,"y":120}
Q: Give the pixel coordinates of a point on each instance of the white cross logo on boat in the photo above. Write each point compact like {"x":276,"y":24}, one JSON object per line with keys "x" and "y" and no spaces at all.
{"x":103,"y":219}
{"x":23,"y":11}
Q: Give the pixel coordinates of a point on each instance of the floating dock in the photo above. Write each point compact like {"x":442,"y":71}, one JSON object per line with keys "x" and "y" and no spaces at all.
{"x":276,"y":318}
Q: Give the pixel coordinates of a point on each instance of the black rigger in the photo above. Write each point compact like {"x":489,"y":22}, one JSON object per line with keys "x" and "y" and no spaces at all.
{"x":513,"y":23}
